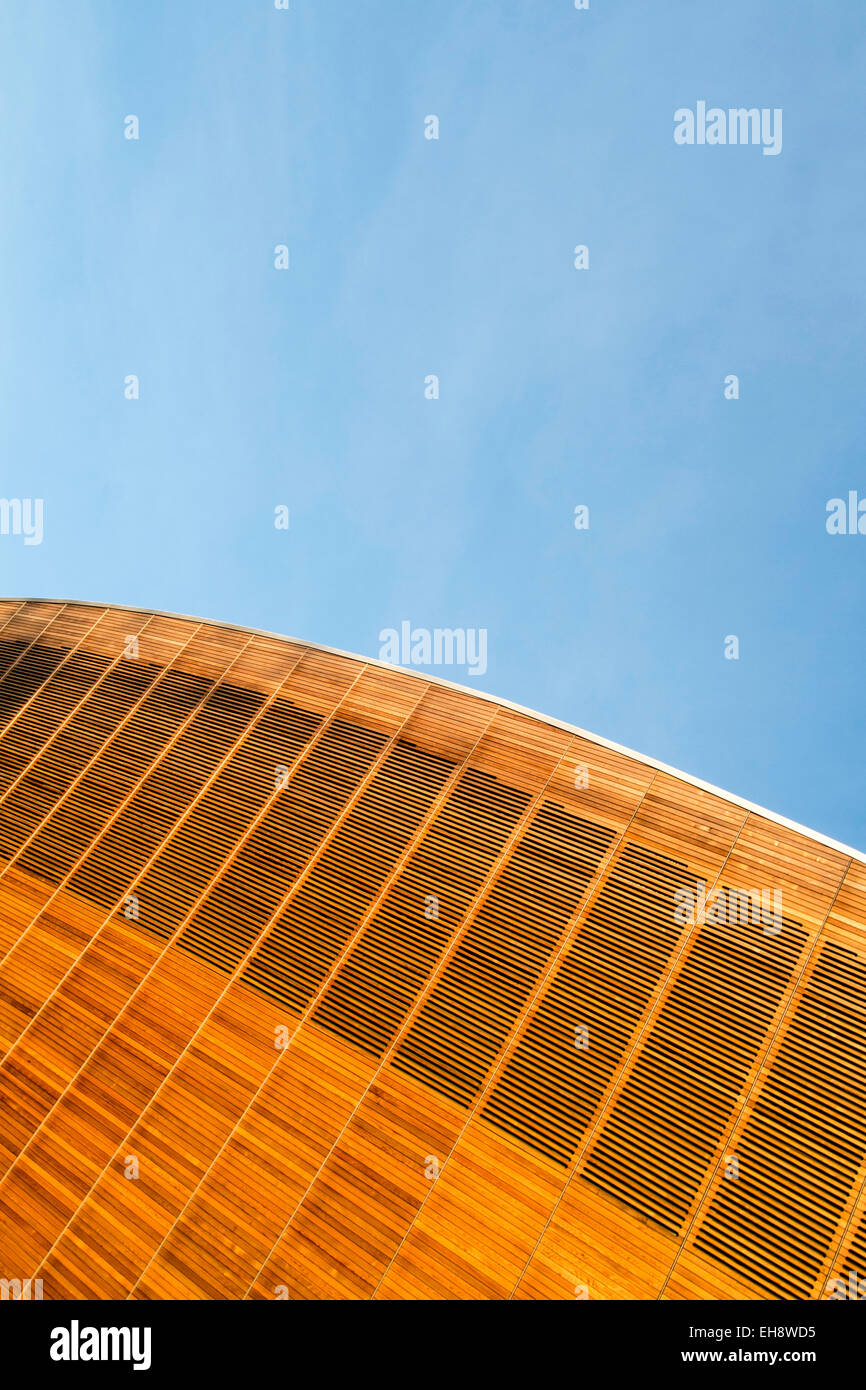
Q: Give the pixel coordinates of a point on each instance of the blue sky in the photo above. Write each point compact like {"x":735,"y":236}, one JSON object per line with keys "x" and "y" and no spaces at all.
{"x":454,"y":256}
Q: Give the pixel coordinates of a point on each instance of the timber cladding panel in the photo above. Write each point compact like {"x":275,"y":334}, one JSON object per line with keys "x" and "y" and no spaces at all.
{"x":323,"y":980}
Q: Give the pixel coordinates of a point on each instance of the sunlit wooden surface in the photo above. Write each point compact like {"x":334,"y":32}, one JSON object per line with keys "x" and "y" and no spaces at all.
{"x":319,"y":980}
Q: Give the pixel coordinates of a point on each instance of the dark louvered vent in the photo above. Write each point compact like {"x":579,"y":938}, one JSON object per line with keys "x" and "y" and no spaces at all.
{"x":251,"y":889}
{"x":181,"y":872}
{"x":71,"y":750}
{"x":578,"y":1035}
{"x":70,"y":829}
{"x":309,"y":936}
{"x":662,"y":1132}
{"x":801,"y":1149}
{"x":66,"y":688}
{"x":9,"y":654}
{"x":397,"y":951}
{"x":499,"y":960}
{"x":165,"y":795}
{"x":26,"y":676}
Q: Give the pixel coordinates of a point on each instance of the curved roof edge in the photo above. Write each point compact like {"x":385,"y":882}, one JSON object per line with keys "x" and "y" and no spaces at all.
{"x":773,"y":816}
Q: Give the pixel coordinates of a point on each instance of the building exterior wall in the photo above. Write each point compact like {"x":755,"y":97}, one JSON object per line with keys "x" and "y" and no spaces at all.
{"x":321,"y":980}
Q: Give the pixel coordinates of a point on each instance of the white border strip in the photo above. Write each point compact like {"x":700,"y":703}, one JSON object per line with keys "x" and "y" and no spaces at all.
{"x":814,"y":835}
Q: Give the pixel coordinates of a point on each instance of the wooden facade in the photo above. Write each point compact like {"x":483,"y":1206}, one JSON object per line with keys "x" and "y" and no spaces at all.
{"x":320,"y":979}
